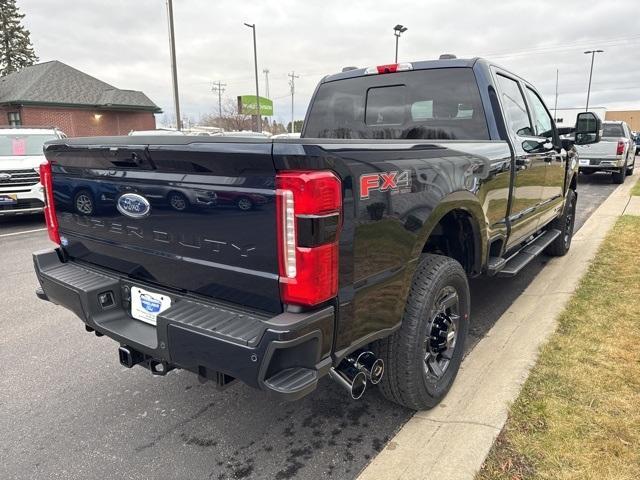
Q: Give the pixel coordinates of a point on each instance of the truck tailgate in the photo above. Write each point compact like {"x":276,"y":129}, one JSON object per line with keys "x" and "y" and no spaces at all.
{"x":190,"y":214}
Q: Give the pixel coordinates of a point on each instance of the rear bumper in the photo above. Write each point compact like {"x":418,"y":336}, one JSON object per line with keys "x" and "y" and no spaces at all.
{"x":601,"y":163}
{"x":286,"y":354}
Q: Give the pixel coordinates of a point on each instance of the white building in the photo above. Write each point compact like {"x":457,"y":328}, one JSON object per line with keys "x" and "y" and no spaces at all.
{"x":566,"y":117}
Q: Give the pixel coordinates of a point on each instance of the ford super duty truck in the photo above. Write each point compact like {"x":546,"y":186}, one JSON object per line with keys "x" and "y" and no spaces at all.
{"x":353,"y":258}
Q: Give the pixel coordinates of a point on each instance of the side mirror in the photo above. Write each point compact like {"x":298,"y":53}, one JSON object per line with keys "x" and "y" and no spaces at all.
{"x":588,"y":128}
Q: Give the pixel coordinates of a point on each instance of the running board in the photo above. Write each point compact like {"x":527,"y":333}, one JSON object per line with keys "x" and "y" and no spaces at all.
{"x":514,"y":264}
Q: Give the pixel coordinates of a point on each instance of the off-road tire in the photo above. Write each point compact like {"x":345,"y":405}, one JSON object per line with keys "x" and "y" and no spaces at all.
{"x":565,"y":223}
{"x":406,"y":380}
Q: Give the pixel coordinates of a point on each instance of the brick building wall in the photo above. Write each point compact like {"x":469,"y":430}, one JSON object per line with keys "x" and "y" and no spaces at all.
{"x":78,"y":122}
{"x":632,"y":117}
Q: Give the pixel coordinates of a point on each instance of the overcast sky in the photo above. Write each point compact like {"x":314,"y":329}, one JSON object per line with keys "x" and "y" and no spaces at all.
{"x":125,"y":43}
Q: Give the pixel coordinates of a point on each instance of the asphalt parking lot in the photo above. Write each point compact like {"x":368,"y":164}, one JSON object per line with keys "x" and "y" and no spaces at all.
{"x":69,"y":410}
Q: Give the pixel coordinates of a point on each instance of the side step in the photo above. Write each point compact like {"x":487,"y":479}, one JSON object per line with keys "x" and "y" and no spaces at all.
{"x":521,"y":259}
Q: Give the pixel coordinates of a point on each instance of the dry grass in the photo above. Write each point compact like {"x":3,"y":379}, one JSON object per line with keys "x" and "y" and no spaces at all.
{"x":578,"y":415}
{"x":636,"y":188}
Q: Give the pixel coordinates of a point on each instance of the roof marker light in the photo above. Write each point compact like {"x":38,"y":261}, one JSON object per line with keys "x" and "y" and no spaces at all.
{"x":390,"y":68}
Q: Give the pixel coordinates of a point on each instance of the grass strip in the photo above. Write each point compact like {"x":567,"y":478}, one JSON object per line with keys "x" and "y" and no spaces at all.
{"x":578,"y":414}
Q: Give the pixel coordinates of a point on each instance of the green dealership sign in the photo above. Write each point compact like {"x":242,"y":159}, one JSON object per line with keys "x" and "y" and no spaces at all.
{"x":247,"y":105}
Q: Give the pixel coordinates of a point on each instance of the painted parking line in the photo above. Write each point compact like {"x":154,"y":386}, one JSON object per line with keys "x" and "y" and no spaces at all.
{"x":23,"y":232}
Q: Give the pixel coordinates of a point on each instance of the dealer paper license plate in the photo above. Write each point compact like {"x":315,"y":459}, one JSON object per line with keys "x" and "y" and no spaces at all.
{"x":8,"y":199}
{"x":147,"y":305}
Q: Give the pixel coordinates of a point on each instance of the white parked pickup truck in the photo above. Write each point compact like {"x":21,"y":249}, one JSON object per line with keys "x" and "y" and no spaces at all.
{"x":20,"y":158}
{"x":615,"y":153}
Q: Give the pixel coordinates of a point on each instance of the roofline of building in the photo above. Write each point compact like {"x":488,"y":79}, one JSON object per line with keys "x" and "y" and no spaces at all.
{"x":154,"y":109}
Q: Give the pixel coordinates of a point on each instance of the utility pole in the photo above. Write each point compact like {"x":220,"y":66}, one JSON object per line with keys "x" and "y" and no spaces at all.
{"x":174,"y":69}
{"x":555,"y":105}
{"x":593,"y":54}
{"x":266,"y":81}
{"x":255,"y":65}
{"x":292,"y":84}
{"x":219,"y":88}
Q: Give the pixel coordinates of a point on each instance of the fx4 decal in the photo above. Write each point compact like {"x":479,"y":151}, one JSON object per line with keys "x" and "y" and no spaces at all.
{"x":394,"y":182}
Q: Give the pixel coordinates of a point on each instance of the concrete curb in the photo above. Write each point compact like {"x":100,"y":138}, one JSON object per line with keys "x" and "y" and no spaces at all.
{"x":452,"y":440}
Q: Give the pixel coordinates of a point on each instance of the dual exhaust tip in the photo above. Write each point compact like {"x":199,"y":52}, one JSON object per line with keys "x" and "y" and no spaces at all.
{"x":355,"y":371}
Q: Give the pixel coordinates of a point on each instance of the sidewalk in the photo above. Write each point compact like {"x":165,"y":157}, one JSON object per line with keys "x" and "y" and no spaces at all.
{"x":452,"y":440}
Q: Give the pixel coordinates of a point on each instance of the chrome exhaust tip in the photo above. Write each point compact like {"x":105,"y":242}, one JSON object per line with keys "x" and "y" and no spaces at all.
{"x":350,"y":378}
{"x":372,"y":366}
{"x":369,"y":364}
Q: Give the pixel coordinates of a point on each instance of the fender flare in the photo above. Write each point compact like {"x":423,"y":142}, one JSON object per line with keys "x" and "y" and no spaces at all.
{"x":461,"y":201}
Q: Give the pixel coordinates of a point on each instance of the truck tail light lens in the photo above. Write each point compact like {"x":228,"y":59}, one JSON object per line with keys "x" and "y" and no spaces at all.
{"x":309,"y":206}
{"x":620,"y":149}
{"x":46,"y":179}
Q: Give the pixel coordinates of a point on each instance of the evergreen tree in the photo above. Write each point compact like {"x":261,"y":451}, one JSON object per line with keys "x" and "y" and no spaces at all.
{"x":16,"y":50}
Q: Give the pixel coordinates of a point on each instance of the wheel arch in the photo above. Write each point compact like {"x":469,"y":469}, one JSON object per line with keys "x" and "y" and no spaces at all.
{"x":456,"y":228}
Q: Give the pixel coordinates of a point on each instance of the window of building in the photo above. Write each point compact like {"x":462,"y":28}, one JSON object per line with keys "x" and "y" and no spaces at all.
{"x":14,"y":119}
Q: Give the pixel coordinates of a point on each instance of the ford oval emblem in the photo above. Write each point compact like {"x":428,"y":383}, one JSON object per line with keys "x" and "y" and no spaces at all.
{"x":133,"y":205}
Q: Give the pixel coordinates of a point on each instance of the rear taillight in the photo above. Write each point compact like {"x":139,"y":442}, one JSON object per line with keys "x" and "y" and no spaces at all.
{"x":46,"y":179}
{"x":309,"y":220}
{"x":620,"y":149}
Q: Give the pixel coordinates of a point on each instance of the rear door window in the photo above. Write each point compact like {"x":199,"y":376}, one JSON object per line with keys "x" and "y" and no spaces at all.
{"x":422,"y":104}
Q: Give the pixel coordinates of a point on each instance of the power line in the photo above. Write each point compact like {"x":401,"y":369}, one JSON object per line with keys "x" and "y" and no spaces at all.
{"x":563,"y":46}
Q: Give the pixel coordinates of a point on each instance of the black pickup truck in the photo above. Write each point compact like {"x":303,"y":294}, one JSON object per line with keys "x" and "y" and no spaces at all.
{"x":345,"y":252}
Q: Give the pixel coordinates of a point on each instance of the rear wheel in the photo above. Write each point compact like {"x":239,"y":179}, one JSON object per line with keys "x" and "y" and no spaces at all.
{"x":560,"y":246}
{"x":631,"y":168}
{"x":618,"y":177}
{"x":422,"y":358}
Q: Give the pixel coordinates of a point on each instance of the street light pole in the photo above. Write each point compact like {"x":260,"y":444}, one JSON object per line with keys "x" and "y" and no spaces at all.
{"x":397,"y":31}
{"x":255,"y":64}
{"x":593,"y":54}
{"x":174,"y":68}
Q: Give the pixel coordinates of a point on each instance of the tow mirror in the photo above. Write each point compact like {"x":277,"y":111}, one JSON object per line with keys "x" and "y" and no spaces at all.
{"x":588,"y":128}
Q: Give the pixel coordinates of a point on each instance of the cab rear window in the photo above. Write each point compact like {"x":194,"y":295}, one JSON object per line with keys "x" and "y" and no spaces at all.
{"x":612,"y":130}
{"x":423,"y":104}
